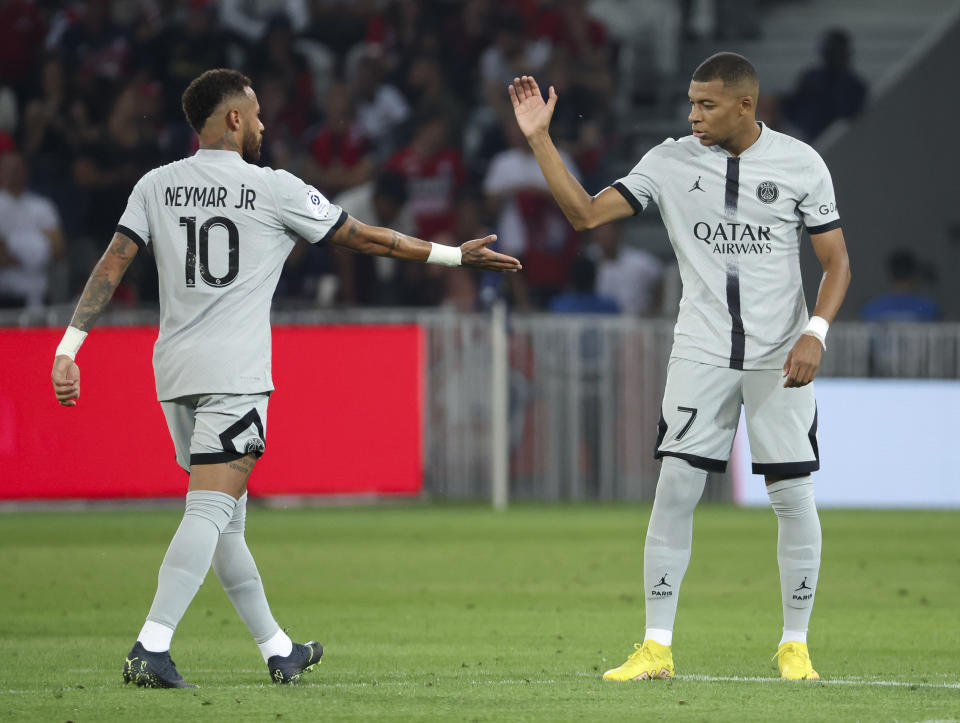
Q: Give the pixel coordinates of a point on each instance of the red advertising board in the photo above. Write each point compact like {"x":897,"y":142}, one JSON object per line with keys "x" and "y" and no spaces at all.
{"x":345,"y":417}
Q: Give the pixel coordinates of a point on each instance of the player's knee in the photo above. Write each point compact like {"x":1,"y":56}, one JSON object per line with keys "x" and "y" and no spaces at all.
{"x":238,"y":522}
{"x":216,"y":507}
{"x":680,"y":484}
{"x":792,"y":497}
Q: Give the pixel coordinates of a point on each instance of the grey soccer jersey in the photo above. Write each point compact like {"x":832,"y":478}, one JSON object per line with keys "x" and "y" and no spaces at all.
{"x":220,"y":229}
{"x":735,"y":225}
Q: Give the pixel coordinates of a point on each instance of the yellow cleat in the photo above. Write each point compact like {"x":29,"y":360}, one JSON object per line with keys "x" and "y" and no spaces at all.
{"x":647,"y":662}
{"x":793,"y":659}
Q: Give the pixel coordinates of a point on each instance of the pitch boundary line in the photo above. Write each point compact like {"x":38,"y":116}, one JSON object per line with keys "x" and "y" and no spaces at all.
{"x":825,"y":681}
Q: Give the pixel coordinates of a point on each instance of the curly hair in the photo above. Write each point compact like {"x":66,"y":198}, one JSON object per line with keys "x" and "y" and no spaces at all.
{"x":208,"y":90}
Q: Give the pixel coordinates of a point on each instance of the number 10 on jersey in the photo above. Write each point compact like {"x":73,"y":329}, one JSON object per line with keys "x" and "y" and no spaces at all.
{"x":203,"y":245}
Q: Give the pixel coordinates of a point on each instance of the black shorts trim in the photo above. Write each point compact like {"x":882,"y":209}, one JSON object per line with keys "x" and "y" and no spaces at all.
{"x":711,"y":465}
{"x":812,"y":435}
{"x":789,"y":469}
{"x":333,"y":229}
{"x":234,"y":430}
{"x":786,"y":469}
{"x":704,"y":463}
{"x":133,"y":236}
{"x":214,"y":457}
{"x":825,"y":227}
{"x":631,"y":199}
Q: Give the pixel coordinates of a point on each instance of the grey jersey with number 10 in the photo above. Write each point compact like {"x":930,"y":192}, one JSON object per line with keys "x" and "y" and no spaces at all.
{"x":735,"y":225}
{"x":220,"y":229}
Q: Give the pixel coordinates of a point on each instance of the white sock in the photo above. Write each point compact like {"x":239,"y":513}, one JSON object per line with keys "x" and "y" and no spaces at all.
{"x":798,"y":551}
{"x":664,"y":637}
{"x":155,"y":637}
{"x":280,"y":644}
{"x":794,"y":636}
{"x":666,"y":552}
{"x":189,"y":555}
{"x":237,"y":572}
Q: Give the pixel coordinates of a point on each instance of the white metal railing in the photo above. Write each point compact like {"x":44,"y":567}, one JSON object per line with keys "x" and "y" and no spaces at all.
{"x":555,"y":407}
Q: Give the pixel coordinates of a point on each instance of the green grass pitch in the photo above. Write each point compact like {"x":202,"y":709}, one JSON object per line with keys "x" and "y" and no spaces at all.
{"x":459,"y":613}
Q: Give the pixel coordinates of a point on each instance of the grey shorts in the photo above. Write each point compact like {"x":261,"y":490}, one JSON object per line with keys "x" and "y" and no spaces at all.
{"x":212,"y":428}
{"x":701,"y":412}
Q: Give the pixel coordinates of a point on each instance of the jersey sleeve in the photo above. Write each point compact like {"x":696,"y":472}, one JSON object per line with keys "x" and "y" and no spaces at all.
{"x":304,"y":210}
{"x":642,"y":184}
{"x":134,"y":222}
{"x":819,"y":207}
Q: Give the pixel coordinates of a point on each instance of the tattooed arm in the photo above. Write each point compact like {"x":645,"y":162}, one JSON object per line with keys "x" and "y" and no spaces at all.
{"x":103,"y":281}
{"x":96,"y":295}
{"x":379,"y":241}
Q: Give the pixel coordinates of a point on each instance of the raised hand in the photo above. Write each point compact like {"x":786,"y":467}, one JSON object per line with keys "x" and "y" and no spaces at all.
{"x":476,"y":255}
{"x":533,"y":115}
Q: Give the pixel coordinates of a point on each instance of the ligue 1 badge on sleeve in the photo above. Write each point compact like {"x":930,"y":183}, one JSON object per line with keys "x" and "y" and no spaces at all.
{"x":768,"y":192}
{"x":316,"y":204}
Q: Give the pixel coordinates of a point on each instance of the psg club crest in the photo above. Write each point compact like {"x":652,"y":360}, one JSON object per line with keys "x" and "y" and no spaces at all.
{"x":768,"y":192}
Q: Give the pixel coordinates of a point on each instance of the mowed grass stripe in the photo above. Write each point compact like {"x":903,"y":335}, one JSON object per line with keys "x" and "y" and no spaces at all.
{"x":525,"y":681}
{"x":460,"y":613}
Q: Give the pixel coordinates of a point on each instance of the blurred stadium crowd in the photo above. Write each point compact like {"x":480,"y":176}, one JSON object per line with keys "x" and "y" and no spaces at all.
{"x":395,"y":109}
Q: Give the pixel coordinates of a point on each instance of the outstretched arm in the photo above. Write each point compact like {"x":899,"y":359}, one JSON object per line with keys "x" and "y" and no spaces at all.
{"x":379,"y":241}
{"x":582,"y":210}
{"x":97,"y":293}
{"x":804,"y":359}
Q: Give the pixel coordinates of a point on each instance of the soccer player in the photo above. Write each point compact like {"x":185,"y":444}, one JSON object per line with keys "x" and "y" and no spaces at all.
{"x":220,"y":229}
{"x":735,"y":197}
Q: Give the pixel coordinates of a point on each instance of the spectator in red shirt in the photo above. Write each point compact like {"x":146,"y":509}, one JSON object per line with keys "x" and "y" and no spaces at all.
{"x":21,"y":35}
{"x":340,"y":154}
{"x":569,"y":26}
{"x":434,"y":172}
{"x":529,"y":223}
{"x":95,"y":45}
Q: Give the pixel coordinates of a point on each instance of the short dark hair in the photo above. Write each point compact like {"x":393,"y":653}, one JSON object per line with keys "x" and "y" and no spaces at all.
{"x":208,"y":90}
{"x":902,"y":265}
{"x":731,"y":68}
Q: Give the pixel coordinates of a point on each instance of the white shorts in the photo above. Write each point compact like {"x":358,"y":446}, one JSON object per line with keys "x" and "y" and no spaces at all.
{"x":212,"y":428}
{"x":701,"y":412}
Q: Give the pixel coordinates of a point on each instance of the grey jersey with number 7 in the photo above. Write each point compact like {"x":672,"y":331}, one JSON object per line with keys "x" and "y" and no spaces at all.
{"x":735,"y":225}
{"x":220,"y":229}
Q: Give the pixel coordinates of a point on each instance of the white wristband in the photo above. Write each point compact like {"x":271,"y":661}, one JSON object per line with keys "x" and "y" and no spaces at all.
{"x":444,"y":255}
{"x":70,"y":343}
{"x":817,"y":326}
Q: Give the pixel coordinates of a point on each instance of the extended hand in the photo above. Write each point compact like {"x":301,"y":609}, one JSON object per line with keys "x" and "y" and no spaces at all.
{"x":533,"y":115}
{"x":66,"y":380}
{"x":476,"y":255}
{"x":803,"y":361}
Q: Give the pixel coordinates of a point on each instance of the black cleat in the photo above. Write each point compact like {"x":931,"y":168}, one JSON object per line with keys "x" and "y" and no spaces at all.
{"x":288,"y":669}
{"x":152,"y":670}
